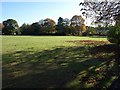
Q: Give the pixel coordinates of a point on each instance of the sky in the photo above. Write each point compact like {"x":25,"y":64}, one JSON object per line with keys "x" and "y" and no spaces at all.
{"x":30,"y":12}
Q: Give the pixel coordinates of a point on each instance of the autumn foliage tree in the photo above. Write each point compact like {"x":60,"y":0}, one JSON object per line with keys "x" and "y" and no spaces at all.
{"x":77,"y":24}
{"x":47,"y":26}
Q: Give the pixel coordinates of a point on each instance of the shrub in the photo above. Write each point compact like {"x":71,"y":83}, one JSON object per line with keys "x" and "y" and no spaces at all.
{"x":85,"y":34}
{"x":114,"y":34}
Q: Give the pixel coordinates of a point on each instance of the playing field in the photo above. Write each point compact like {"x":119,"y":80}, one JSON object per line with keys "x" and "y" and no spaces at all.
{"x":38,"y":43}
{"x":54,"y":62}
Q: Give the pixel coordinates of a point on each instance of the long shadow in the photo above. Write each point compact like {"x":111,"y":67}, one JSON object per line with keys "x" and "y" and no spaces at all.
{"x":73,"y":67}
{"x":115,"y":50}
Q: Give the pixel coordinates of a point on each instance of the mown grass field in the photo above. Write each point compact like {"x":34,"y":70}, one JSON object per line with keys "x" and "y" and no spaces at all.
{"x":56,"y":62}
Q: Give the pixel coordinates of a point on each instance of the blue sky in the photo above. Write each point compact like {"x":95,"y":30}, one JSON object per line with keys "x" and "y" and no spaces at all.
{"x":30,"y":12}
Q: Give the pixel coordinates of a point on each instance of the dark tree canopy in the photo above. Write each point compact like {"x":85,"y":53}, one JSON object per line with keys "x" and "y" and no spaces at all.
{"x":114,"y":34}
{"x":25,"y":29}
{"x":10,"y":27}
{"x":35,"y":28}
{"x":60,"y":21}
{"x":63,"y":26}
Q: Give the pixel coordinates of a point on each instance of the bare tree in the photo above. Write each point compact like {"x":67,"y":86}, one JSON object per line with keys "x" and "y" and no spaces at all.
{"x":104,"y":11}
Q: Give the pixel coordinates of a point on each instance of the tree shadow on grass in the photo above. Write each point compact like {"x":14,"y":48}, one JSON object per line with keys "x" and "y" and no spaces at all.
{"x":73,"y":67}
{"x":114,"y":50}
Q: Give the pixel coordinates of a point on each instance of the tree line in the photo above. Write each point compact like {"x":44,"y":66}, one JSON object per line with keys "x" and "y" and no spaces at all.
{"x":48,"y":26}
{"x":102,"y":13}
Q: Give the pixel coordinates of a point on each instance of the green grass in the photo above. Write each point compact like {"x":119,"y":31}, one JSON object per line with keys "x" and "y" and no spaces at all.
{"x":51,"y":62}
{"x":37,"y":43}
